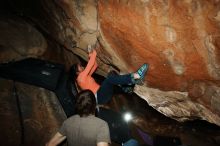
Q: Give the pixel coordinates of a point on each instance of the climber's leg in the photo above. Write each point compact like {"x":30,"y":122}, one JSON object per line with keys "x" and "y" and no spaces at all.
{"x":106,"y":90}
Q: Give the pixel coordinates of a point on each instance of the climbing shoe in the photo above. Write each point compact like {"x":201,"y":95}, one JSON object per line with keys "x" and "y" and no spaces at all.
{"x":141,"y":72}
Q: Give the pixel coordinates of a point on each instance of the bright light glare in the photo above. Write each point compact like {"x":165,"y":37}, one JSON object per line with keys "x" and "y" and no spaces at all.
{"x":127,"y":117}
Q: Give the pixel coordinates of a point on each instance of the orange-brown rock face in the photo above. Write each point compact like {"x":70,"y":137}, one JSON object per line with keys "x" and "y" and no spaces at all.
{"x":179,"y":40}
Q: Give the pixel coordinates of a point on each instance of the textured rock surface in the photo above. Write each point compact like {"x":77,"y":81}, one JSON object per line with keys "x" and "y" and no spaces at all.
{"x":42,"y":113}
{"x":179,"y":39}
{"x":19,"y":39}
{"x":42,"y":116}
{"x":176,"y":105}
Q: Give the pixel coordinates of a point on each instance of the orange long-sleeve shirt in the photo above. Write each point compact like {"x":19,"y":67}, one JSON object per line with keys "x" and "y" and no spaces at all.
{"x":84,"y":79}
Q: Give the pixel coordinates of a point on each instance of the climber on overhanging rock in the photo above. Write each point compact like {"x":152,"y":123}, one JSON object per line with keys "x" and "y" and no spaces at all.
{"x":104,"y":93}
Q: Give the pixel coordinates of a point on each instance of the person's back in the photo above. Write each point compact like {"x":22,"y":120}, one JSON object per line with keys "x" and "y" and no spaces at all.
{"x":84,"y":131}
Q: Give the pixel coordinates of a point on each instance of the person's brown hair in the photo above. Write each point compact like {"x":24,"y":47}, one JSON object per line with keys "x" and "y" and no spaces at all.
{"x":85,"y":103}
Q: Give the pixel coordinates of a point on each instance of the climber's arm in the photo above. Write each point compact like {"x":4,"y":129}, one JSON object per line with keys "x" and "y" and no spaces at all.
{"x":91,"y":63}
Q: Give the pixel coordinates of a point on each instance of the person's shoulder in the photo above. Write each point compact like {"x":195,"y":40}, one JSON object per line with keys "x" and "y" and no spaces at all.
{"x":99,"y":120}
{"x":72,"y":118}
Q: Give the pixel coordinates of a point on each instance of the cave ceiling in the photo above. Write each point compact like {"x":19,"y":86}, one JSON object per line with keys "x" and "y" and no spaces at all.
{"x":179,"y":39}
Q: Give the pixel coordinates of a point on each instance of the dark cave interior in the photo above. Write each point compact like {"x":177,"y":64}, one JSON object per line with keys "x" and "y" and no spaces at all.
{"x":41,"y":110}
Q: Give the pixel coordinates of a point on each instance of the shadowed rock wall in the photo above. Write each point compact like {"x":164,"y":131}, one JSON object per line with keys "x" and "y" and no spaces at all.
{"x":178,"y":38}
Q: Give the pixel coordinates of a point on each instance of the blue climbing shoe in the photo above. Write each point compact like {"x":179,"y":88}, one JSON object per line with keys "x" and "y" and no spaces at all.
{"x":141,"y":72}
